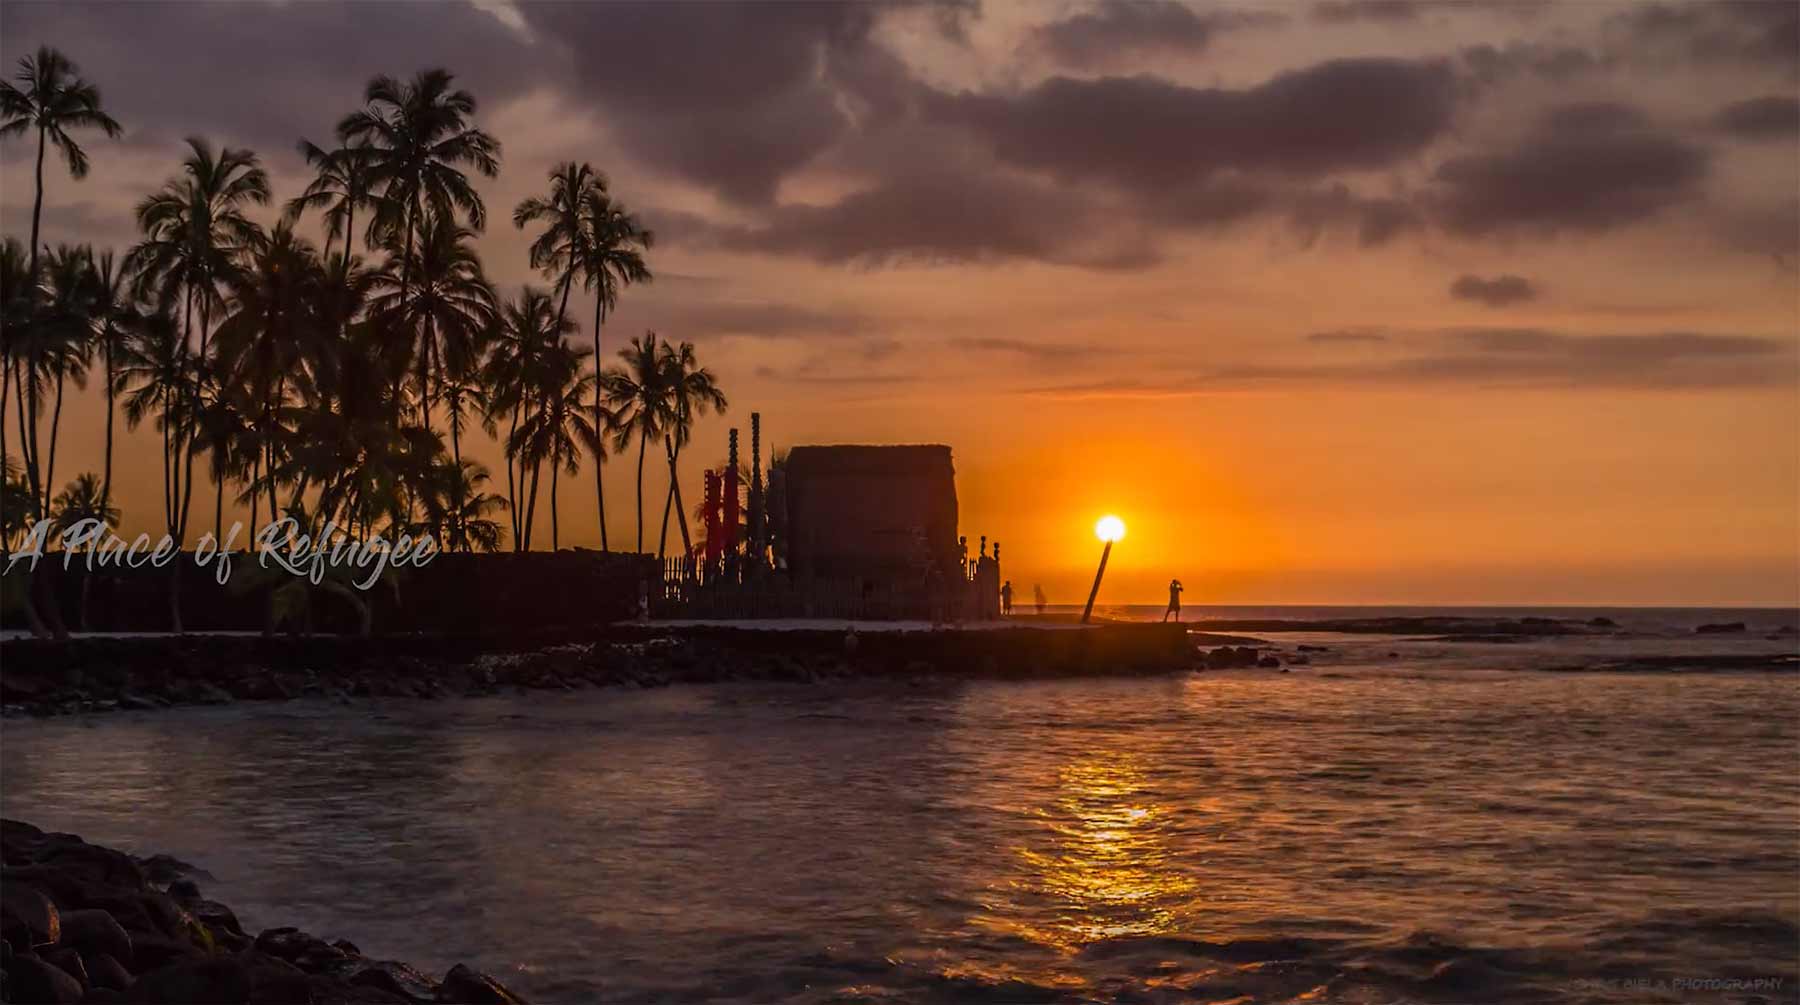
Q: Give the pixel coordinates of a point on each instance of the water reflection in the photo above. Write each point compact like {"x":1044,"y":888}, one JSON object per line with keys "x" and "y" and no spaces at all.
{"x":1104,"y":858}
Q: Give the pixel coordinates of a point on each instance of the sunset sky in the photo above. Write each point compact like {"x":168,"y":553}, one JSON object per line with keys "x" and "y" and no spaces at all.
{"x":1364,"y":301}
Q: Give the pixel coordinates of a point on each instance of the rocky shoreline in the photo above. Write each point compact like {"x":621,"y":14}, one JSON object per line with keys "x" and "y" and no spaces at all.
{"x":83,"y":923}
{"x":90,"y":675}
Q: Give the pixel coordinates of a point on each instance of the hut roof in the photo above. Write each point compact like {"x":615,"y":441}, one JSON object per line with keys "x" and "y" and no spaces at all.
{"x":857,"y":458}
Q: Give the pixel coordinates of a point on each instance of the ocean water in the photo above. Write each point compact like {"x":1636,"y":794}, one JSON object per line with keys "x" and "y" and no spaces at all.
{"x":1399,"y":821}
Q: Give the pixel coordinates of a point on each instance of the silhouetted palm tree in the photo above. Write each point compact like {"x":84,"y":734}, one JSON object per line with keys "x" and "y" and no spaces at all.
{"x":557,"y":252}
{"x":420,"y":137}
{"x":524,"y":345}
{"x":114,"y":310}
{"x":692,"y":392}
{"x":83,"y":499}
{"x":60,"y":339}
{"x":159,"y":377}
{"x":638,"y":395}
{"x":440,"y":316}
{"x":54,"y":100}
{"x":456,"y":507}
{"x":611,"y":250}
{"x":343,"y":183}
{"x":195,"y":232}
{"x":558,"y":425}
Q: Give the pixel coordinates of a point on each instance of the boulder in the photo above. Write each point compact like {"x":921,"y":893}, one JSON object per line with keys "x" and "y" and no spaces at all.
{"x":472,"y":987}
{"x":1728,"y":628}
{"x":69,"y":962}
{"x":35,"y":980}
{"x":105,"y":972}
{"x":184,"y":890}
{"x":27,"y":917}
{"x":92,"y":930}
{"x":200,"y":981}
{"x":396,"y":979}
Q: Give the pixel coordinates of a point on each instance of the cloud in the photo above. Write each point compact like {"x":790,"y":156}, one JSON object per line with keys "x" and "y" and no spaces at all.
{"x":733,"y":100}
{"x":265,"y":74}
{"x":1554,"y":62}
{"x":1368,"y":10}
{"x":1499,"y":291}
{"x":1497,"y":358}
{"x":1046,"y":352}
{"x":1588,"y":167}
{"x":1121,"y":30}
{"x":1348,"y":335}
{"x":1757,"y":33}
{"x":1145,"y":131}
{"x":1767,"y":118}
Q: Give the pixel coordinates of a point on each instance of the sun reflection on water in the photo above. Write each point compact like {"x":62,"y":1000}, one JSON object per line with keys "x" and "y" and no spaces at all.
{"x":1100,"y":865}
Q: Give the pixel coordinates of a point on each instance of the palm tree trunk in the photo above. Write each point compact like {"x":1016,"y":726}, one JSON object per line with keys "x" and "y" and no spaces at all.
{"x":599,"y":420}
{"x":106,"y":483}
{"x":531,"y":509}
{"x":555,"y":469}
{"x":37,"y":204}
{"x":512,"y":490}
{"x":662,"y":544}
{"x":55,"y":425}
{"x":87,"y":580}
{"x":687,"y":543}
{"x":643,"y":440}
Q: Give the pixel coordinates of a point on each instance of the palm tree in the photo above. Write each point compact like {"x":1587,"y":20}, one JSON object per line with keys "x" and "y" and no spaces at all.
{"x":637,"y":393}
{"x":557,"y":252}
{"x":83,"y":499}
{"x":610,"y":250}
{"x":54,"y":100}
{"x":114,"y":309}
{"x":158,"y":377}
{"x":59,"y":348}
{"x":16,"y":294}
{"x":559,"y":427}
{"x":692,"y":391}
{"x":525,"y":338}
{"x":344,"y":182}
{"x":274,"y":320}
{"x":457,"y":507}
{"x":440,"y":316}
{"x":195,"y":233}
{"x":420,"y":138}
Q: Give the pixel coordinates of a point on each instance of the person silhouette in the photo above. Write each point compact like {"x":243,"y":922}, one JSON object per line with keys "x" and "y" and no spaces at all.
{"x":1037,"y":593}
{"x":1006,"y":598}
{"x":1174,"y":600}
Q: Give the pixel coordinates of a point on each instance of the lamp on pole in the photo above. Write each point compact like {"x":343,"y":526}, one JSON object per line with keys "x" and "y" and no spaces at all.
{"x":1109,"y":529}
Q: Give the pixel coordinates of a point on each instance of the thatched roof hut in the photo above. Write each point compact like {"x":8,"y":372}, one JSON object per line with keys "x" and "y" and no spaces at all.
{"x":873,"y":512}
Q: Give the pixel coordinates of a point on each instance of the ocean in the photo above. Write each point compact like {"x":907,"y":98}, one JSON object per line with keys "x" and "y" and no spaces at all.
{"x":1591,"y":819}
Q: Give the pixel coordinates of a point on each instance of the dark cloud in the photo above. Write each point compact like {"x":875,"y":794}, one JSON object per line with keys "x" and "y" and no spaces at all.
{"x":1119,"y":30}
{"x":1742,"y":33}
{"x":1586,"y":167}
{"x":1348,"y":335}
{"x":1374,"y":221}
{"x":942,"y":216}
{"x":1499,"y":291}
{"x":1046,"y":352}
{"x":1768,"y":118}
{"x":733,"y":97}
{"x":265,"y":74}
{"x":1145,"y":131}
{"x":1659,"y":361}
{"x":1502,"y":358}
{"x":1368,"y":10}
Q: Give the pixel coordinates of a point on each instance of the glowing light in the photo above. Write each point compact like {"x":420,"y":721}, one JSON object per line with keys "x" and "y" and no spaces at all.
{"x":1109,"y":529}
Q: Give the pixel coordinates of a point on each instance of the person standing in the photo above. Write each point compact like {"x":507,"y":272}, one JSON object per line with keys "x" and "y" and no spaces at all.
{"x":1037,"y":591}
{"x":1006,"y":598}
{"x":1174,"y":601}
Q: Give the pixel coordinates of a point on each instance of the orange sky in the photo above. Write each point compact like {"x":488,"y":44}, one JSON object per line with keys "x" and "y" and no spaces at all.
{"x":1284,"y":405}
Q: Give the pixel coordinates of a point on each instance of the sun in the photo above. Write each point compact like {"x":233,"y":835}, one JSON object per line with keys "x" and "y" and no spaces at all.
{"x":1109,"y":529}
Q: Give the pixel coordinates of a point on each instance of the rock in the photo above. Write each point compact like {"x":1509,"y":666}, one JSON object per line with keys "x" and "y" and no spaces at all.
{"x":165,"y":869}
{"x":396,"y":979}
{"x":27,"y":917}
{"x":184,"y":890}
{"x":69,"y":962}
{"x":92,"y":930}
{"x":1313,"y":649}
{"x":106,"y":972}
{"x":1269,"y":662}
{"x":216,"y":916}
{"x":305,"y":951}
{"x":197,"y":981}
{"x":210,"y":694}
{"x":1729,"y":628}
{"x":472,"y":987}
{"x":35,"y":980}
{"x":151,"y":951}
{"x":1602,"y":623}
{"x":94,"y":864}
